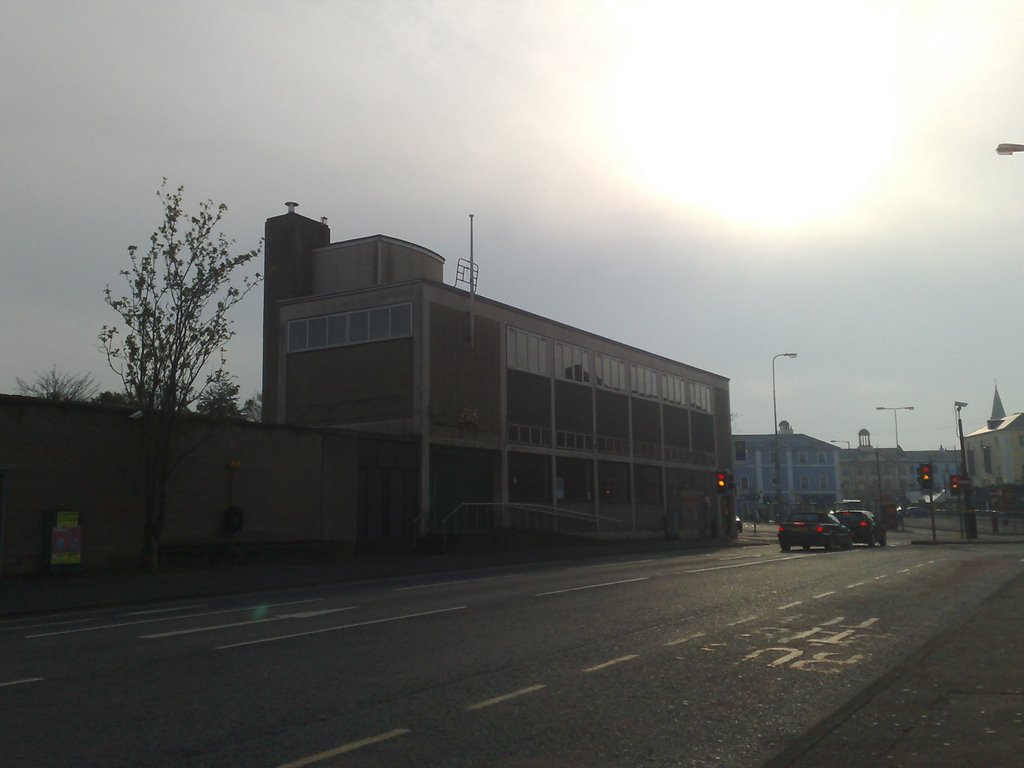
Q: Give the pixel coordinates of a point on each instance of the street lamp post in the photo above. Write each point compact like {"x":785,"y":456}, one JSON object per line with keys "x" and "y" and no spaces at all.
{"x":895,"y":422}
{"x":775,"y":415}
{"x":968,"y":524}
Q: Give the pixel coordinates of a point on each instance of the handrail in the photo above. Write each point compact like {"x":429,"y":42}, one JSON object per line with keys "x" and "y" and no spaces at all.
{"x":552,"y":513}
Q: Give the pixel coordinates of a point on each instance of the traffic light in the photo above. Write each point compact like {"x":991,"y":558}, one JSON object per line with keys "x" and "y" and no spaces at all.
{"x":954,"y":485}
{"x":722,"y":481}
{"x":924,"y":477}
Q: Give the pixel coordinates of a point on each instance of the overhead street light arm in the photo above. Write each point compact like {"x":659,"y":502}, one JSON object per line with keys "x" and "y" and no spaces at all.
{"x":1009,"y":149}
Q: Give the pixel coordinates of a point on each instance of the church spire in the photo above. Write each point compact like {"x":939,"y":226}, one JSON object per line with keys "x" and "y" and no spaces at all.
{"x":998,"y":412}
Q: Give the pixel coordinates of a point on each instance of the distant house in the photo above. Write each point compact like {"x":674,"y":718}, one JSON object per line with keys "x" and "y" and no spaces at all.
{"x":995,"y":453}
{"x":808,"y":470}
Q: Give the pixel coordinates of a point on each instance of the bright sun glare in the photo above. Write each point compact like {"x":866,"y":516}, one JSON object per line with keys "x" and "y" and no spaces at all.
{"x":759,"y":115}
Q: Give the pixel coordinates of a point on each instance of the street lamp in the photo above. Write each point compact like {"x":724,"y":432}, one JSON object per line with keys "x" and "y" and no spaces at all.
{"x":1009,"y":149}
{"x":775,"y":415}
{"x":900,"y":408}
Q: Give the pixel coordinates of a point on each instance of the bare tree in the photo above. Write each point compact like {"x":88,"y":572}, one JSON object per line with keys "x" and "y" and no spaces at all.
{"x":175,"y":318}
{"x":59,"y":387}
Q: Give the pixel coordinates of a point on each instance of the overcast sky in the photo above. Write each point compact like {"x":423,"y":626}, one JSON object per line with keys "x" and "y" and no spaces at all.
{"x":713,"y":182}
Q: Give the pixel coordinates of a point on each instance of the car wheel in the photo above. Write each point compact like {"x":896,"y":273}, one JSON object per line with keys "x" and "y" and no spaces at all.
{"x":871,"y":540}
{"x":807,"y":547}
{"x":849,"y":544}
{"x":829,"y":544}
{"x":784,"y":547}
{"x":881,"y":543}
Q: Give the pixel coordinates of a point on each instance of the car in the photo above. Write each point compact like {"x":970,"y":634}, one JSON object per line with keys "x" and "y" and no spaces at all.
{"x":915,"y":512}
{"x":813,"y":529}
{"x":864,"y":526}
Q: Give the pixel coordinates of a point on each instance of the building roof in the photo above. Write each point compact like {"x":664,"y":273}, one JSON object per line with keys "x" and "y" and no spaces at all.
{"x":1011,"y":422}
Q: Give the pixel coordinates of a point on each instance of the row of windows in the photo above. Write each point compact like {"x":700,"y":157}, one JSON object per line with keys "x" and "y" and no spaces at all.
{"x":346,"y":328}
{"x":528,"y":352}
{"x":805,"y":483}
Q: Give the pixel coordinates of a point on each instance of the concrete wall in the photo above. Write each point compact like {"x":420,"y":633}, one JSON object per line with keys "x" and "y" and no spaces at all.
{"x":294,"y":485}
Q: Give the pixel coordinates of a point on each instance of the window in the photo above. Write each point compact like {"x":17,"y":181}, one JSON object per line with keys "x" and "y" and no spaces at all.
{"x":644,"y":381}
{"x":801,"y":457}
{"x":572,"y":363}
{"x":356,"y":327}
{"x":700,"y":396}
{"x":610,"y":373}
{"x":741,"y":450}
{"x":673,"y":389}
{"x":805,"y":483}
{"x":822,"y":458}
{"x":823,"y":482}
{"x":526,"y":352}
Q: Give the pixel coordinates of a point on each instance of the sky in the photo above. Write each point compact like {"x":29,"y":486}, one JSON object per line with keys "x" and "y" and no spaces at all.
{"x":717,"y":183}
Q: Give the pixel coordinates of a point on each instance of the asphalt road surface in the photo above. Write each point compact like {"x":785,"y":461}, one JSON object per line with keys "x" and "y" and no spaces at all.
{"x":688,"y":659}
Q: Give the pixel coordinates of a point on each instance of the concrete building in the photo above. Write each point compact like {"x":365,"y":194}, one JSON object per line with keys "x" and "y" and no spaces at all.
{"x":882,"y":477}
{"x":808,"y":468}
{"x":504,"y":406}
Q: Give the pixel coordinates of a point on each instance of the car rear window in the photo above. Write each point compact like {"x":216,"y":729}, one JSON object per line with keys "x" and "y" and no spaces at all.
{"x":806,"y":517}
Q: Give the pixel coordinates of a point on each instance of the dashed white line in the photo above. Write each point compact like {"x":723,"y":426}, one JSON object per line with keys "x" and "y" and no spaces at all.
{"x":855,"y":584}
{"x":879,"y":578}
{"x":170,"y":618}
{"x":506,"y":697}
{"x":790,"y":605}
{"x":612,"y":662}
{"x":212,"y":628}
{"x":686,"y":639}
{"x":824,"y":594}
{"x":905,"y":570}
{"x":921,"y":565}
{"x":163,"y":610}
{"x":350,"y":747}
{"x":275,"y":638}
{"x":740,"y":621}
{"x":591,"y":586}
{"x":22,"y":681}
{"x":743,"y":565}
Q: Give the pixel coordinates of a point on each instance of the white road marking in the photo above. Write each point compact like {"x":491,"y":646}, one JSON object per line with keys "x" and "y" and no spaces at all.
{"x":740,"y":621}
{"x":171,"y":618}
{"x":350,"y":747}
{"x":905,"y":570}
{"x":830,"y":622}
{"x":282,"y":617}
{"x":855,"y":584}
{"x":921,"y":565}
{"x":163,"y":610}
{"x":612,"y":662}
{"x":686,"y":639}
{"x":879,"y":578}
{"x":275,"y":638}
{"x":591,"y":586}
{"x":790,"y":605}
{"x":454,"y":581}
{"x":744,"y":565}
{"x":506,"y":697}
{"x":22,"y":681}
{"x":823,"y":594}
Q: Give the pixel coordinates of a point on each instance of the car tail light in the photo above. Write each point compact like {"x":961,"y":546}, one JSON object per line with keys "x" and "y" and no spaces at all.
{"x":781,"y":529}
{"x":819,"y":529}
{"x":863,"y":523}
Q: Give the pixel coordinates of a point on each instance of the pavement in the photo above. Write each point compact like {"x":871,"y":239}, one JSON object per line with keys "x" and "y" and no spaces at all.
{"x":925,"y":712}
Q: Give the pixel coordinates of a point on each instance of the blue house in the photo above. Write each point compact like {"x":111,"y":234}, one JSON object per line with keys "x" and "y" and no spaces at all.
{"x":808,"y":469}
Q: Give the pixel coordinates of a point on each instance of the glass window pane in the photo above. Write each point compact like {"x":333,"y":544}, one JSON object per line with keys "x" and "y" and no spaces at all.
{"x":296,"y":335}
{"x":358,"y":328}
{"x":380,"y":324}
{"x":544,"y":357}
{"x":317,"y":332}
{"x":510,"y":348}
{"x":522,"y":353}
{"x":337,"y":330}
{"x":401,"y":321}
{"x":559,"y":370}
{"x":533,"y":363}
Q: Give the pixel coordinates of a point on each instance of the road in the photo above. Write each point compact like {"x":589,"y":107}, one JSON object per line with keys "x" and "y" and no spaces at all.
{"x":690,"y":659}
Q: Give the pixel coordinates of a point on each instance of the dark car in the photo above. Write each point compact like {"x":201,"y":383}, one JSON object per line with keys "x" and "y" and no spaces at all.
{"x":864,"y":526}
{"x":813,"y":529}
